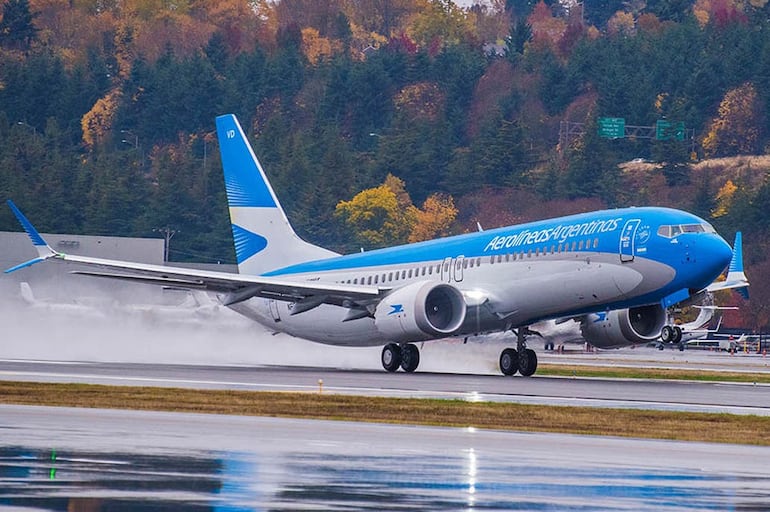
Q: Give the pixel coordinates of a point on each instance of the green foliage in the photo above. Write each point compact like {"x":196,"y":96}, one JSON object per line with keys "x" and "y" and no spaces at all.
{"x":441,"y":115}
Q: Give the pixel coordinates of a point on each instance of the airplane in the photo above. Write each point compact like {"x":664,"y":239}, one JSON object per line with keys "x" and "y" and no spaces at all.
{"x":629,"y":264}
{"x":196,"y":305}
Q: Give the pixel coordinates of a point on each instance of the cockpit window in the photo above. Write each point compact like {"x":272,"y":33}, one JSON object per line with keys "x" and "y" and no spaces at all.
{"x":675,"y":230}
{"x":692,"y":228}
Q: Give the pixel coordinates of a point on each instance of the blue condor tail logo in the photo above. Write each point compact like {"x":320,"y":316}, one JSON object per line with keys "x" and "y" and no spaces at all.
{"x":397,"y":308}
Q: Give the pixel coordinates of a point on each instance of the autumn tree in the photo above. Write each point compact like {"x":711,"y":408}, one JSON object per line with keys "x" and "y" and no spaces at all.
{"x":380,"y":216}
{"x":738,"y":128}
{"x":434,"y":219}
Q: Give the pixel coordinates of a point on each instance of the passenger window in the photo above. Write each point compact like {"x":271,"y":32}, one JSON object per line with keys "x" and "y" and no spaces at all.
{"x":369,"y":281}
{"x":390,"y":276}
{"x":355,"y":281}
{"x":580,"y":245}
{"x":403,"y":274}
{"x":574,"y":244}
{"x":410,"y":273}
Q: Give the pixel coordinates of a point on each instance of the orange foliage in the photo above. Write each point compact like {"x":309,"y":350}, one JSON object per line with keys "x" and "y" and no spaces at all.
{"x":423,"y":100}
{"x":434,"y":219}
{"x":547,"y":30}
{"x":97,"y":122}
{"x":736,"y":130}
{"x":317,"y":48}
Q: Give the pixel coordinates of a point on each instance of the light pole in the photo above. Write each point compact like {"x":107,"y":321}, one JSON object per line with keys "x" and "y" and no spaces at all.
{"x":131,"y":134}
{"x":23,"y":123}
{"x":168,"y":234}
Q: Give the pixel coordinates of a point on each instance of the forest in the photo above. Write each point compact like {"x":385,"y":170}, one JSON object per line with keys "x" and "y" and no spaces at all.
{"x":386,"y":121}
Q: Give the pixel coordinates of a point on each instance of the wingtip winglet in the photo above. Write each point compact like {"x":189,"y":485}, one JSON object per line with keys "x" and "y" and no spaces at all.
{"x":44,"y":251}
{"x":33,"y":234}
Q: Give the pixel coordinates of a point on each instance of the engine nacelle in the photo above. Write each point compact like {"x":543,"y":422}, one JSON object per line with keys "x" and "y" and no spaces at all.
{"x":624,"y":327}
{"x":420,"y":311}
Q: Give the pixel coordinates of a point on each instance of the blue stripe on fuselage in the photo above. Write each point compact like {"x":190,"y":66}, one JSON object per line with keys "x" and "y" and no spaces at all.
{"x":604,"y":225}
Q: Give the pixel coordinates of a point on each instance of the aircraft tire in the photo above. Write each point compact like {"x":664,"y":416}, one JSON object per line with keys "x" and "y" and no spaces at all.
{"x":391,"y":357}
{"x":410,"y":357}
{"x":509,"y":361}
{"x":527,"y":362}
{"x":677,"y":335}
{"x":667,"y":334}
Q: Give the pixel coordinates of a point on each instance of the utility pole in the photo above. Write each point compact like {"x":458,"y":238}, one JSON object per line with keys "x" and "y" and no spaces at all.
{"x":168,"y":234}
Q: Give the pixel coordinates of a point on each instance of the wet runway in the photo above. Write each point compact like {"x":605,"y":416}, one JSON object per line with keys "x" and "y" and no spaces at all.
{"x":93,"y":460}
{"x":629,"y":393}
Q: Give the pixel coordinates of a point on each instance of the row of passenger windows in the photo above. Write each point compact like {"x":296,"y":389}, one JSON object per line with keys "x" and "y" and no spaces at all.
{"x":430,"y":270}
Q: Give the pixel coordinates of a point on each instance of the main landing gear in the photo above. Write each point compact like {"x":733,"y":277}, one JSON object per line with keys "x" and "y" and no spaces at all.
{"x":520,"y":359}
{"x":672,"y":334}
{"x":407,"y":357}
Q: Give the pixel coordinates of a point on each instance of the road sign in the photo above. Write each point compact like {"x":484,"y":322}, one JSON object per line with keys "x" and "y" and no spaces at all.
{"x":612,"y":127}
{"x":666,"y":130}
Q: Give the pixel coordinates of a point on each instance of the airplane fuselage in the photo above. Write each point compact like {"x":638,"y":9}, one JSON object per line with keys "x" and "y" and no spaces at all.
{"x":518,"y":275}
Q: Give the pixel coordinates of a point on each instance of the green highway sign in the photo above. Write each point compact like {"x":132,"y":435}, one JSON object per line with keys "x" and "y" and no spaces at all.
{"x":612,"y":127}
{"x":666,"y":130}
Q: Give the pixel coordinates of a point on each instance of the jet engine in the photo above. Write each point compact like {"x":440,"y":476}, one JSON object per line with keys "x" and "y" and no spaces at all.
{"x":624,"y":327}
{"x":420,"y":311}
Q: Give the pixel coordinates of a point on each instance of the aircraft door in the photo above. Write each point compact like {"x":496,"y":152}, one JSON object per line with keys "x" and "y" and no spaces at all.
{"x":446,"y":270}
{"x":627,"y":238}
{"x":458,"y":272}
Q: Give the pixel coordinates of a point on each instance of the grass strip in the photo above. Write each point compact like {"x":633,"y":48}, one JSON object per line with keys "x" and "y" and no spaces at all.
{"x":619,"y":372}
{"x":722,"y":428}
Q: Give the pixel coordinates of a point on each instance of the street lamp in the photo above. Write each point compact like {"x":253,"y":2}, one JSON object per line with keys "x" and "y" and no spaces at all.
{"x":22,"y":123}
{"x":131,"y":134}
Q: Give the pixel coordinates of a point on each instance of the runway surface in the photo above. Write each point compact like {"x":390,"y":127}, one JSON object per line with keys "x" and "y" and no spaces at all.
{"x":93,"y":460}
{"x":628,"y":393}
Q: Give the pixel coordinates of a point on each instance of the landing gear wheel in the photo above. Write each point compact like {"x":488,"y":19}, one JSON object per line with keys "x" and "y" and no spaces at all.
{"x":410,"y":357}
{"x":667,"y":334}
{"x":527,"y":362}
{"x":391,"y":357}
{"x":509,"y":361}
{"x":677,"y":335}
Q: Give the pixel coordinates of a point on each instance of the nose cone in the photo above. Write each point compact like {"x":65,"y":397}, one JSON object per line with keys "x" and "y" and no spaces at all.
{"x":716,"y":255}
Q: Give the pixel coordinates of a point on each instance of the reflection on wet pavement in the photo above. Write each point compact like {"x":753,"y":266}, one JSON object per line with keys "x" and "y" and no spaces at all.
{"x":90,"y":481}
{"x":269,"y":464}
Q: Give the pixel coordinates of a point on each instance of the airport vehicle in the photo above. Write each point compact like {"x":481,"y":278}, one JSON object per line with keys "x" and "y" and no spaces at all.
{"x":628,"y":265}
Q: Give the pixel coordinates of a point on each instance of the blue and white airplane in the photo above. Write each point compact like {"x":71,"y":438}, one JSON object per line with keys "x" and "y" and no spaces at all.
{"x":628,"y":265}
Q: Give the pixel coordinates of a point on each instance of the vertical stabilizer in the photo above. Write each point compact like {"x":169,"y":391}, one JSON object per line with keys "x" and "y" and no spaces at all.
{"x":264,"y":239}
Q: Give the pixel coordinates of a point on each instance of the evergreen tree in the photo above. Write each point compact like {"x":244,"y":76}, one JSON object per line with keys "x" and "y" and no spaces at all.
{"x":17,"y":28}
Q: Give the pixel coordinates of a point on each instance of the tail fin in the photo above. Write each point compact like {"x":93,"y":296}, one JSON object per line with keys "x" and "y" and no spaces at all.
{"x":264,"y":239}
{"x":26,"y":292}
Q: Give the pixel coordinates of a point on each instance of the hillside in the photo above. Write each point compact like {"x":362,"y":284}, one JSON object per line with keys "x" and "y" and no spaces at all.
{"x":107,"y":109}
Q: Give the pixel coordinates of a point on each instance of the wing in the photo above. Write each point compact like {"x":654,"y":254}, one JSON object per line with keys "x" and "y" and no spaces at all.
{"x":235,"y":287}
